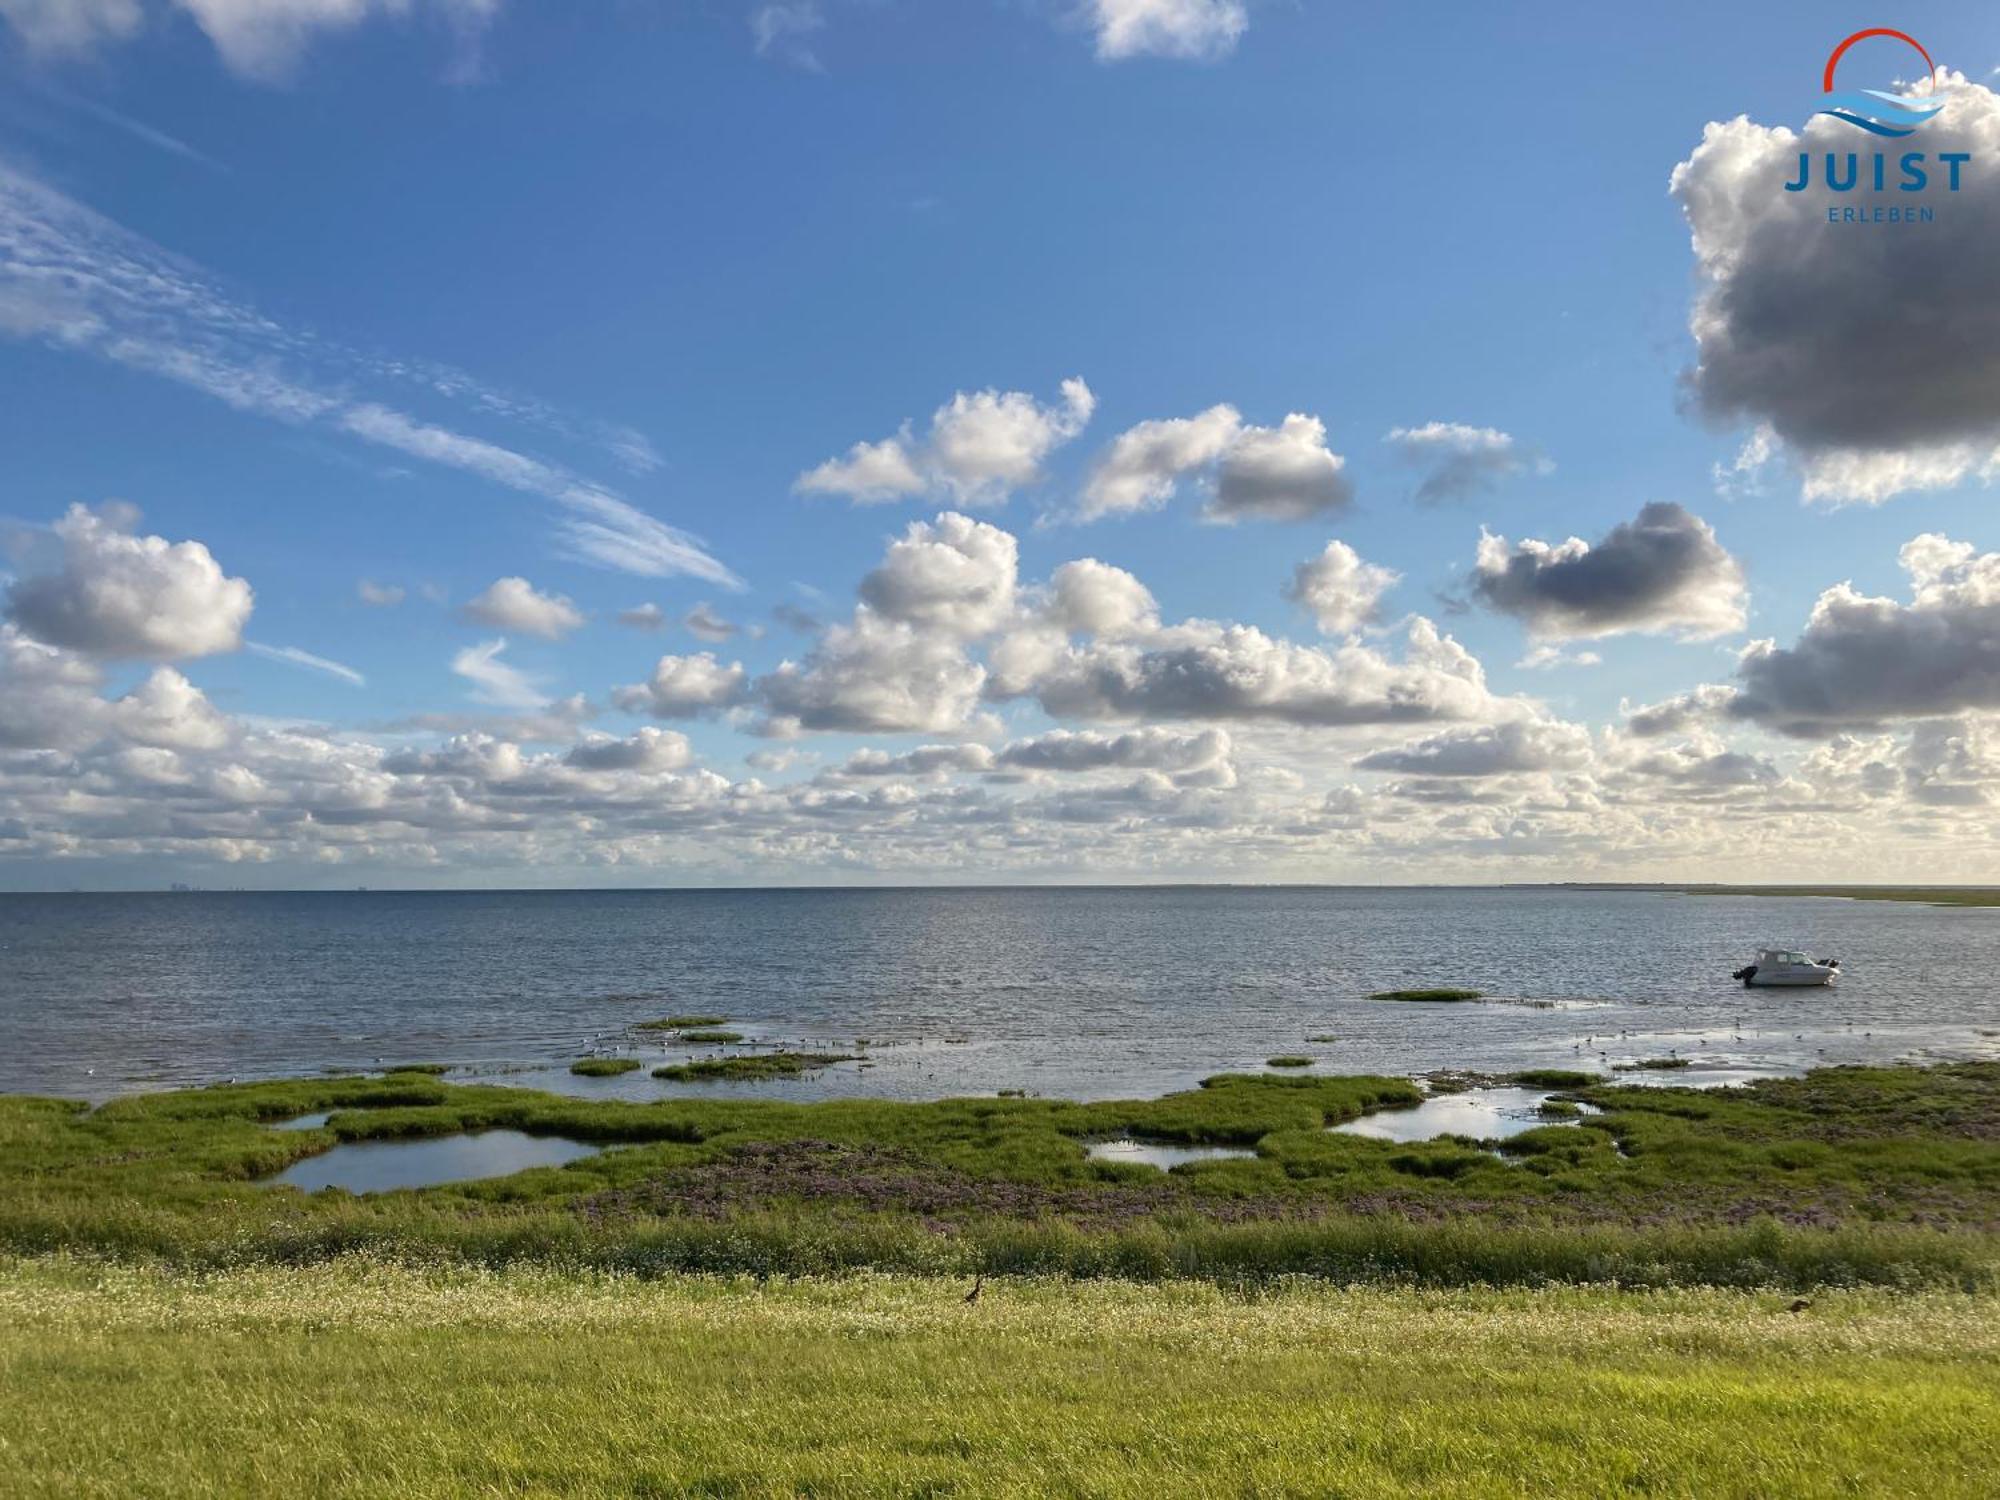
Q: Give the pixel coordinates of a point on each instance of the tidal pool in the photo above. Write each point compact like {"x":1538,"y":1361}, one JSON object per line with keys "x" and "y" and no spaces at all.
{"x":1159,"y":1154}
{"x":1483,"y":1114}
{"x":378,"y":1166}
{"x":303,"y":1122}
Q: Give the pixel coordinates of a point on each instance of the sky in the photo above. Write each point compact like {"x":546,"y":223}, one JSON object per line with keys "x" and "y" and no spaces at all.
{"x":501,"y":443}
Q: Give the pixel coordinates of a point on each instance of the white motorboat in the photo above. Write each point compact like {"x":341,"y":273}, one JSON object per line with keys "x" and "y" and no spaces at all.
{"x":1787,"y":967}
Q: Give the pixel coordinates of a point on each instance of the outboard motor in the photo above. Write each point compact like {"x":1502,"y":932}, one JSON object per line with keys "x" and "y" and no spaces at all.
{"x":1746,"y":974}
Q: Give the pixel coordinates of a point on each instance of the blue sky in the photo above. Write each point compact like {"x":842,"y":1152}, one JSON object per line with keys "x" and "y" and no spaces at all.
{"x":629,"y":230}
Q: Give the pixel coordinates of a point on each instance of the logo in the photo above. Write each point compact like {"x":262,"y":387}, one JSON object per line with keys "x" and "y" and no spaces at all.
{"x":1876,"y":110}
{"x":1897,"y":189}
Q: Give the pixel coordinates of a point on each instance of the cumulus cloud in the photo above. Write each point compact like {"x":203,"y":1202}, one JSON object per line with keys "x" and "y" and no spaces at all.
{"x":1202,"y":670}
{"x":645,"y":749}
{"x":1491,"y":750}
{"x":494,"y":681}
{"x":954,"y":575}
{"x":1282,"y":473}
{"x":1662,"y":571}
{"x":1195,"y":30}
{"x":1677,"y":715}
{"x":686,"y":687}
{"x":121,"y":595}
{"x":1873,"y":358}
{"x":1458,"y":461}
{"x":1144,"y":463}
{"x":874,"y":675}
{"x":1342,"y":592}
{"x":982,"y":446}
{"x":515,"y":604}
{"x":1863,"y":661}
{"x":1149,"y":749}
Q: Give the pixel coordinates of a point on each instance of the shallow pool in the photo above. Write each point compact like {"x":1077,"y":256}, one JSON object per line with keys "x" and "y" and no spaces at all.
{"x":378,"y":1166}
{"x":1483,"y":1114}
{"x":1159,"y":1154}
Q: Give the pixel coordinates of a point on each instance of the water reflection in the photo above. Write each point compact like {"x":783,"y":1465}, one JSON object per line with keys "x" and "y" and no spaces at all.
{"x":1159,"y":1154}
{"x":378,"y":1166}
{"x":1483,"y":1114}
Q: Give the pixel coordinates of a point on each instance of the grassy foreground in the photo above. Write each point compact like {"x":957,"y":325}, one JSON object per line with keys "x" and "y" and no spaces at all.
{"x":361,"y":1378}
{"x":1849,"y":1176}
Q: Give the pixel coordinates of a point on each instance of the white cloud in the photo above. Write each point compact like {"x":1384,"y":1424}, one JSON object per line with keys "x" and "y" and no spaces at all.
{"x":54,"y":28}
{"x":120,"y":595}
{"x":1283,"y":473}
{"x":300,"y":658}
{"x":515,"y":604}
{"x":645,"y":749}
{"x":685,"y":687}
{"x":1144,"y":463}
{"x":874,"y":675}
{"x":494,"y":681}
{"x":379,"y":595}
{"x":954,"y":575}
{"x":77,"y":282}
{"x":1197,"y":30}
{"x":983,"y":446}
{"x":1342,"y":592}
{"x":779,"y":30}
{"x":1524,"y":745}
{"x":1459,"y":461}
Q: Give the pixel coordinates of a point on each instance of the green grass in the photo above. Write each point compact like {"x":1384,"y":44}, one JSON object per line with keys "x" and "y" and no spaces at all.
{"x":1651,"y":1065}
{"x":1553,"y":1078}
{"x":750,"y":1066}
{"x":1560,"y":1109}
{"x":1288,"y":1061}
{"x":604,"y":1067}
{"x":358,"y":1378}
{"x":1427,"y":995}
{"x":679,"y":1023}
{"x":709,"y":1034}
{"x":1848,"y":1176}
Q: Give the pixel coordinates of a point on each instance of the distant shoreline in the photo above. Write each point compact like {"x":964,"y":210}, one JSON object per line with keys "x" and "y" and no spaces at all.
{"x":1933,"y":895}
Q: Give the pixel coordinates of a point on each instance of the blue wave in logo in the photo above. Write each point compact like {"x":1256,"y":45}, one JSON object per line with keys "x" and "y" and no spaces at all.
{"x":1880,"y":112}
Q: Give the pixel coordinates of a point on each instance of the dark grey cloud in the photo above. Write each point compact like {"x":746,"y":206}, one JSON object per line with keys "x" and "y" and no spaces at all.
{"x":1662,"y":571}
{"x":1864,"y":661}
{"x":1874,"y":357}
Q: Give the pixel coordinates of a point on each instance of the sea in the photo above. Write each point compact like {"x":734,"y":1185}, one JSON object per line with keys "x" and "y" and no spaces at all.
{"x":1076,"y":992}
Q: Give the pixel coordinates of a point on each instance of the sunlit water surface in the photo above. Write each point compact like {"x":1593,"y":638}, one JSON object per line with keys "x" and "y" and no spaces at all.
{"x":1091,"y":993}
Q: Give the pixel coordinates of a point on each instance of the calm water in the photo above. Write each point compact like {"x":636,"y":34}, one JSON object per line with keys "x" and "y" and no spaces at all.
{"x":378,"y":1166}
{"x":1078,"y":993}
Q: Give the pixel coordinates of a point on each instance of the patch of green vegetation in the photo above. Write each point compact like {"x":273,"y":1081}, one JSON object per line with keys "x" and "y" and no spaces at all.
{"x":1886,"y":1176}
{"x":709,"y":1035}
{"x":440,"y":1381}
{"x":1289,"y":1060}
{"x":679,"y":1023}
{"x":1560,"y":1109}
{"x":1427,"y":995}
{"x":750,"y":1066}
{"x":1553,"y":1078}
{"x":433,"y":1070}
{"x":603,"y":1067}
{"x":1651,"y":1065}
{"x":1933,"y":895}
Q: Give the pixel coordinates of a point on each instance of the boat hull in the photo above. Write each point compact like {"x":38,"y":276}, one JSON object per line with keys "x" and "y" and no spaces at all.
{"x":1787,"y":981}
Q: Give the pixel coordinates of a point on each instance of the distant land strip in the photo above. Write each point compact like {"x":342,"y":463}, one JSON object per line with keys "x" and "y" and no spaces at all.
{"x":1933,"y":895}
